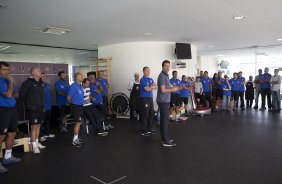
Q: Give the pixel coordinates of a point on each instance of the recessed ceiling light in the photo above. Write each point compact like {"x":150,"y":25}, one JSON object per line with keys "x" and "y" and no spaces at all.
{"x":220,"y":55}
{"x":279,"y":39}
{"x":210,"y":46}
{"x":52,"y":30}
{"x":148,"y":34}
{"x":239,"y":17}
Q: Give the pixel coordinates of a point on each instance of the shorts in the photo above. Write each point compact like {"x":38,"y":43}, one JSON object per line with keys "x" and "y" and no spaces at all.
{"x":235,"y":95}
{"x":77,"y":111}
{"x":175,"y":100}
{"x":63,"y":110}
{"x":36,"y":116}
{"x":184,"y":100}
{"x":9,"y":120}
{"x":219,"y":93}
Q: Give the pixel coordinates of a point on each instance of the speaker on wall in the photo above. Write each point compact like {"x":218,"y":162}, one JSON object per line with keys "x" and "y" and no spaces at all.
{"x":183,"y":51}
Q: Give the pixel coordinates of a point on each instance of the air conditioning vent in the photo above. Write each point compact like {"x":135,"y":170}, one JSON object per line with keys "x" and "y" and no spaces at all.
{"x":52,"y":30}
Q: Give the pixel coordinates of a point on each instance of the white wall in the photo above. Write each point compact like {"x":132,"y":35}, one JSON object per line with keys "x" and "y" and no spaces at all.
{"x":129,"y":58}
{"x":208,"y":63}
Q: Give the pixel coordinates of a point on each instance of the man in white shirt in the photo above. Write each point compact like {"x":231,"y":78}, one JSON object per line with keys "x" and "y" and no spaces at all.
{"x":275,"y":90}
{"x":134,"y":88}
{"x":90,"y":111}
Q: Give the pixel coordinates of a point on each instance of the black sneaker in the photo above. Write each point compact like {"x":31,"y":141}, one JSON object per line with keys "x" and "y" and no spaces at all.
{"x":170,"y":141}
{"x":12,"y":160}
{"x":151,"y":132}
{"x":169,"y":144}
{"x":255,"y":107}
{"x":146,"y":134}
{"x":262,"y":109}
{"x":3,"y":169}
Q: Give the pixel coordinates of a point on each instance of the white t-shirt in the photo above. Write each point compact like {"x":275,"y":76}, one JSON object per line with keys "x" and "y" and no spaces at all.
{"x":275,"y":87}
{"x":131,"y":84}
{"x":87,"y":101}
{"x":198,"y":87}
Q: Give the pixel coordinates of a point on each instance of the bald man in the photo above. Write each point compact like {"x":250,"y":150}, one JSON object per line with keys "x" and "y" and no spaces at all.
{"x":32,"y":94}
{"x":75,"y":100}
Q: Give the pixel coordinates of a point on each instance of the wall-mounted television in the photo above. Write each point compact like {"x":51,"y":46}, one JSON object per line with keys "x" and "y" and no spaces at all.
{"x":183,"y":51}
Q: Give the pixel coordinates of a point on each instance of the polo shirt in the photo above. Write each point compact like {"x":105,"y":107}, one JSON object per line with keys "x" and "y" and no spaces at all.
{"x":241,"y":85}
{"x":184,"y":92}
{"x":175,"y":82}
{"x":97,"y":98}
{"x":163,"y":80}
{"x":103,"y":83}
{"x":4,"y":101}
{"x":61,"y":86}
{"x":235,"y":84}
{"x":226,"y":92}
{"x":265,"y":85}
{"x":76,"y":93}
{"x":206,"y":81}
{"x":144,"y":82}
{"x":217,"y":85}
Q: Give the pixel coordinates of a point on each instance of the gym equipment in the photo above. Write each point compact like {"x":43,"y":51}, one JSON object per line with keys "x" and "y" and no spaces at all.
{"x":120,"y":105}
{"x":199,"y":110}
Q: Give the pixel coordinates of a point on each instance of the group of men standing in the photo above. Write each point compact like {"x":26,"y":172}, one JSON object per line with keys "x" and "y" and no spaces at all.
{"x":84,"y":98}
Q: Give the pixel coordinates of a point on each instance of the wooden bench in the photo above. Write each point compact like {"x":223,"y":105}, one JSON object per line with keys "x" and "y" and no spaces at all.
{"x":17,"y":142}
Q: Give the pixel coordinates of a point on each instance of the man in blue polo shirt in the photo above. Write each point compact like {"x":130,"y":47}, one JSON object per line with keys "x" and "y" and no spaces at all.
{"x":235,"y":83}
{"x":45,"y":127}
{"x":147,"y":85}
{"x":241,"y":90}
{"x":105,"y":86}
{"x":8,"y":115}
{"x":207,"y":89}
{"x":75,"y":99}
{"x":184,"y":92}
{"x":61,"y":88}
{"x":175,"y":96}
{"x":163,"y":99}
{"x":265,"y":89}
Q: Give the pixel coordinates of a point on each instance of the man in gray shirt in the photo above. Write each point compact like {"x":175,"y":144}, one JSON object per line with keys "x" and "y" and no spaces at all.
{"x":163,"y":100}
{"x":257,"y":88}
{"x":275,"y":90}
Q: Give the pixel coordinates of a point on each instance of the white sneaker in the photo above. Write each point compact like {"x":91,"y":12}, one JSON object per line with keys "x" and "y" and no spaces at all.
{"x":50,"y":135}
{"x":42,"y":139}
{"x":35,"y":150}
{"x":40,"y":146}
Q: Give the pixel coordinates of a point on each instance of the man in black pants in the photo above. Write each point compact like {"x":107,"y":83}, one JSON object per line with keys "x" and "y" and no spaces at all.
{"x":8,"y":115}
{"x":90,"y":111}
{"x":207,"y":89}
{"x":265,"y":89}
{"x":147,"y":85}
{"x":134,"y":88}
{"x":32,"y":94}
{"x":163,"y":100}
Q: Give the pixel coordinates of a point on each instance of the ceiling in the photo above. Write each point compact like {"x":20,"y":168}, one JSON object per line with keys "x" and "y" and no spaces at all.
{"x":97,"y":23}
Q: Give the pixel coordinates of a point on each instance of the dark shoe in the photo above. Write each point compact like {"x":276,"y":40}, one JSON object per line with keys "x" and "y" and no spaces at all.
{"x":262,"y":109}
{"x":146,"y":134}
{"x":169,"y":144}
{"x":3,"y":169}
{"x":255,"y":107}
{"x":103,"y":134}
{"x":12,"y":160}
{"x":170,"y":141}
